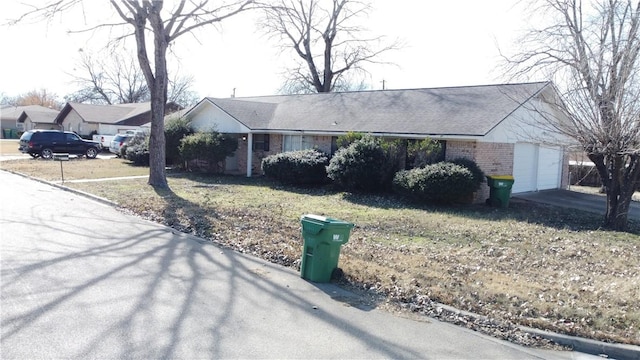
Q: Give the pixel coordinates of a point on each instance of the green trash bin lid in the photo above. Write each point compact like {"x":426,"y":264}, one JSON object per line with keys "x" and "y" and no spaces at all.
{"x":313,"y":224}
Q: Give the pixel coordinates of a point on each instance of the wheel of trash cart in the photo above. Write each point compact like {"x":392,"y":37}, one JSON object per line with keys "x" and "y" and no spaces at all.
{"x":337,"y":274}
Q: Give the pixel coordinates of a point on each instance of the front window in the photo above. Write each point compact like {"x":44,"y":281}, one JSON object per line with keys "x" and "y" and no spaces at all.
{"x":261,"y":142}
{"x":297,"y":142}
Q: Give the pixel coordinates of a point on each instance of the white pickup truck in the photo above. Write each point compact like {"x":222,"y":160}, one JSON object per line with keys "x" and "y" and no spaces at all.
{"x":104,"y":140}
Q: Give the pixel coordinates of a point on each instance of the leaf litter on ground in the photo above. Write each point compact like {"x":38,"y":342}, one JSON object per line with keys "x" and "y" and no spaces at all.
{"x":530,"y":265}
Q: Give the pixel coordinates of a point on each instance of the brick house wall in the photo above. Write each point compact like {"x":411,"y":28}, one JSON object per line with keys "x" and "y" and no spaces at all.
{"x":492,"y":158}
{"x":275,"y":147}
{"x":322,"y":143}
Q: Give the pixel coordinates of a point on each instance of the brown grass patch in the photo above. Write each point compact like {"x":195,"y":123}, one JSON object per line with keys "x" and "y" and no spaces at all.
{"x":74,"y":169}
{"x":533,"y":265}
{"x":9,"y":147}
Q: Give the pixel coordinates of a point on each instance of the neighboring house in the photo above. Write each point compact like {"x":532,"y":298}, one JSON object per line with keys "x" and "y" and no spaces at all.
{"x":86,"y":119}
{"x":493,"y":125}
{"x":16,"y":119}
{"x":38,"y":119}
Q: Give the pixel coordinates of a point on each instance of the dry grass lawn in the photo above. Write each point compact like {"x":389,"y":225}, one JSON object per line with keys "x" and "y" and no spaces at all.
{"x":74,"y":169}
{"x":532,"y":265}
{"x":9,"y":147}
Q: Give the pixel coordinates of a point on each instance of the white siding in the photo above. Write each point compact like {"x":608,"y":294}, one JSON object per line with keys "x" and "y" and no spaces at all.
{"x":209,"y":117}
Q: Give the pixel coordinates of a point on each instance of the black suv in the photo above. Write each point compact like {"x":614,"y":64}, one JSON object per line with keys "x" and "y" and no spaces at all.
{"x":45,"y":143}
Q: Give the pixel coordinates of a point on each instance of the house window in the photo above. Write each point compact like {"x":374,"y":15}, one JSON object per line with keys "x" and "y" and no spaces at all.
{"x":297,"y":142}
{"x":261,"y":142}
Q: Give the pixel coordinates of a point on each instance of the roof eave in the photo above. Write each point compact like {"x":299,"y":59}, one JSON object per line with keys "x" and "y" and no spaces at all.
{"x":380,"y":134}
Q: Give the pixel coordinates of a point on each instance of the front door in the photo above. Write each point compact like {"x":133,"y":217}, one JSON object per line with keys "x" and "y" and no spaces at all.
{"x":231,"y":163}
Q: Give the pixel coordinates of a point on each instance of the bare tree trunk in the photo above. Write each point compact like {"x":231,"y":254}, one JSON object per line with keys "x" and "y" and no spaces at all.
{"x":157,"y":86}
{"x":157,"y":143}
{"x":619,"y":179}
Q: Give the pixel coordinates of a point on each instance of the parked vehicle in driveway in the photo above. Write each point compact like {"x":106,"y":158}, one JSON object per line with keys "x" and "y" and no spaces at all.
{"x":118,"y":141}
{"x":44,"y":143}
{"x":104,"y":140}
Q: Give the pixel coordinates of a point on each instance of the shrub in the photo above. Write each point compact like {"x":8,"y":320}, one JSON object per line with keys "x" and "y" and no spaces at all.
{"x":440,"y":182}
{"x":360,"y":166}
{"x":394,"y":160}
{"x":138,"y":153}
{"x":423,"y":152}
{"x":349,"y":138}
{"x":209,"y":149}
{"x":297,"y":167}
{"x":478,"y":174}
{"x":175,"y":130}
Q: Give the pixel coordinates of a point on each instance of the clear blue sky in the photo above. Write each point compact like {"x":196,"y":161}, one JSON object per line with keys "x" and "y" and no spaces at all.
{"x":447,"y":43}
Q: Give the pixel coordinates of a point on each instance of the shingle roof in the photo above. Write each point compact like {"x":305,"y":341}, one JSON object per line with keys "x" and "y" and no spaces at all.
{"x":129,"y":114}
{"x":14,"y":112}
{"x":46,"y":116}
{"x":253,"y":114}
{"x":470,"y":110}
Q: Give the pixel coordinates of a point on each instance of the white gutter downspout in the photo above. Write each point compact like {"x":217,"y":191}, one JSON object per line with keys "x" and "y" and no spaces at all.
{"x":249,"y":153}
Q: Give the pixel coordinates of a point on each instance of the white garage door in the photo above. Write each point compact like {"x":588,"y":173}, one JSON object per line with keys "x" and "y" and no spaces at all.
{"x":536,"y":167}
{"x":549,"y":165}
{"x":525,"y":165}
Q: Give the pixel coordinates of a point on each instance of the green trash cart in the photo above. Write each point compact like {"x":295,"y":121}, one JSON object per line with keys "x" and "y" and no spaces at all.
{"x":499,"y":190}
{"x":323,"y":237}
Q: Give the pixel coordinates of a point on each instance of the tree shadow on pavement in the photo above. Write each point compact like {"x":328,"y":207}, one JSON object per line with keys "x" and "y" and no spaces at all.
{"x":137,"y":289}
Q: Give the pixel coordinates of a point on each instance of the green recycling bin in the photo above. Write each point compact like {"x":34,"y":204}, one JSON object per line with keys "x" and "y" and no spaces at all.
{"x":499,"y":190}
{"x":323,"y":237}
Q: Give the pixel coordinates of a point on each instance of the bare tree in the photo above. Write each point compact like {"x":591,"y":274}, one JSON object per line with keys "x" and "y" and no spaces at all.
{"x":591,"y":49}
{"x":118,"y":79}
{"x":326,"y":40}
{"x":34,"y":97}
{"x":180,"y":91}
{"x":111,"y":80}
{"x":149,"y":18}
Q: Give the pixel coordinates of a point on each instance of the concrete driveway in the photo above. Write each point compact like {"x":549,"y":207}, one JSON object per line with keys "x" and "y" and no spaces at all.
{"x":575,"y":200}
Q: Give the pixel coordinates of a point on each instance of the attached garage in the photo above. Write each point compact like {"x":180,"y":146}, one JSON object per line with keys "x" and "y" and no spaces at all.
{"x":536,"y":167}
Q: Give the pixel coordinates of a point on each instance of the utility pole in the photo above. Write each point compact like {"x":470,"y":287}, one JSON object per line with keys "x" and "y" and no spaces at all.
{"x":384,"y":82}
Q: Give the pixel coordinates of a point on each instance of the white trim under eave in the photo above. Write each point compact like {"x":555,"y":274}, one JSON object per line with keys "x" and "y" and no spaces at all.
{"x":389,"y":135}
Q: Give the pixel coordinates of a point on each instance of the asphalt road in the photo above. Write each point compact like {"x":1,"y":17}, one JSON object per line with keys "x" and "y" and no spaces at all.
{"x":82,"y":280}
